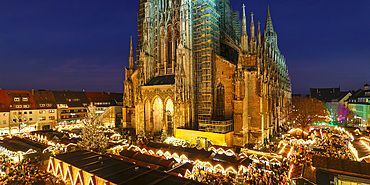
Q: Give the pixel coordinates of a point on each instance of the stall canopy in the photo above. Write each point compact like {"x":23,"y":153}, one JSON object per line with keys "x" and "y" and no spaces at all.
{"x":117,"y":171}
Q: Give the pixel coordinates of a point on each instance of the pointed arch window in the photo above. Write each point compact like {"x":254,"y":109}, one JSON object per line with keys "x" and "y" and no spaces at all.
{"x":220,"y":101}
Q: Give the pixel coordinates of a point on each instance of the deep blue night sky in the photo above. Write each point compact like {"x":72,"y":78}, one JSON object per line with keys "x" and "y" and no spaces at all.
{"x":84,"y":45}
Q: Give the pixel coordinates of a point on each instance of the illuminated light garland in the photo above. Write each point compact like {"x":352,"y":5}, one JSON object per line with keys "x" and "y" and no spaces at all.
{"x":364,"y":138}
{"x":159,"y":153}
{"x":353,"y":150}
{"x":183,"y":157}
{"x":290,"y":152}
{"x":290,"y":171}
{"x":281,"y":151}
{"x":230,"y":170}
{"x":297,"y":129}
{"x":151,"y":152}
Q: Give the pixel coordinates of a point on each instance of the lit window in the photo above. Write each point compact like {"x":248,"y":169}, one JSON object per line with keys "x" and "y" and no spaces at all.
{"x":26,"y":106}
{"x":51,"y":111}
{"x":18,"y":106}
{"x":42,"y":112}
{"x":25,"y":99}
{"x":16,"y":99}
{"x":42,"y":105}
{"x":51,"y":117}
{"x":48,"y":105}
{"x":43,"y":118}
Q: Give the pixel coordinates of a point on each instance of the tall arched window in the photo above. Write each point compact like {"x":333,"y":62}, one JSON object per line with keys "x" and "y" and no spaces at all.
{"x":220,"y":101}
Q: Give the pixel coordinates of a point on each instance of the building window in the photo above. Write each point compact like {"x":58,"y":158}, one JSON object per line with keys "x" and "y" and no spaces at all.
{"x":25,"y":99}
{"x":30,"y":119}
{"x":220,"y":101}
{"x":24,"y":112}
{"x":14,"y":120}
{"x":43,"y":118}
{"x":42,"y":105}
{"x":11,"y":106}
{"x":51,"y":117}
{"x":4,"y":114}
{"x":51,"y":111}
{"x":16,"y":99}
{"x":42,"y":112}
{"x":18,"y":106}
{"x":48,"y":105}
{"x":26,"y":106}
{"x":30,"y":112}
{"x":4,"y":122}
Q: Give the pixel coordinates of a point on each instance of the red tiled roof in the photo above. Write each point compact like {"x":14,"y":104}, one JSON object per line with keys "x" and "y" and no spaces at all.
{"x":4,"y":105}
{"x":98,"y":97}
{"x":11,"y":94}
{"x":44,"y":97}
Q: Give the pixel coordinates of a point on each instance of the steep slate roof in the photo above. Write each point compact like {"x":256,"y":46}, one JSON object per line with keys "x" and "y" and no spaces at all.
{"x":43,"y":97}
{"x":4,"y":105}
{"x":327,"y":94}
{"x":116,"y":99}
{"x":67,"y":97}
{"x":98,"y":97}
{"x":342,"y":166}
{"x":162,"y":80}
{"x":11,"y":94}
{"x":118,"y":171}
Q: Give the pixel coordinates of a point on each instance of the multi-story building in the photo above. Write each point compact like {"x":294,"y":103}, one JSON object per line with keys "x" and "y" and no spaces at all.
{"x":46,"y":114}
{"x":197,"y":70}
{"x":22,"y":110}
{"x":115,"y":114}
{"x":71,"y":106}
{"x":360,"y":104}
{"x":330,"y":95}
{"x":102,"y":102}
{"x":4,"y":114}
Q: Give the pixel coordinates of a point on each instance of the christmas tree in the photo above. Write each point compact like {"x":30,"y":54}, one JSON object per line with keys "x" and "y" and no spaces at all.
{"x":93,"y":137}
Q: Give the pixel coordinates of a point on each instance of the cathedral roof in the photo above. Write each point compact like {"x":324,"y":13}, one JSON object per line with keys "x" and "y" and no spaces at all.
{"x":162,"y":80}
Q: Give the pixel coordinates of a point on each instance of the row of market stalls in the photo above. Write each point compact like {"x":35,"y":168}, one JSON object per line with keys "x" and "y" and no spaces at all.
{"x":185,"y":161}
{"x":16,"y":148}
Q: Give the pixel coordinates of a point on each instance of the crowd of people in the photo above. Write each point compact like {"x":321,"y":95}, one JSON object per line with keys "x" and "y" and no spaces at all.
{"x":25,"y":172}
{"x":253,"y":175}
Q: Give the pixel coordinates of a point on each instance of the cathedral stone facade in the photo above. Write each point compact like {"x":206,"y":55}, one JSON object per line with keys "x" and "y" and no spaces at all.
{"x":197,"y":69}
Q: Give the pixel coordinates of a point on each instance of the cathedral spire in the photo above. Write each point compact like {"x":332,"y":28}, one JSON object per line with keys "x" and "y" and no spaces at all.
{"x":259,"y":33}
{"x":252,"y":26}
{"x":244,"y":34}
{"x":131,"y":59}
{"x":244,"y":23}
{"x":268,"y":25}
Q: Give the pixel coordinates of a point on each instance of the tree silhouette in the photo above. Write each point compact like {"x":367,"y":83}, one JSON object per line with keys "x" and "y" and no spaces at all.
{"x":306,"y":111}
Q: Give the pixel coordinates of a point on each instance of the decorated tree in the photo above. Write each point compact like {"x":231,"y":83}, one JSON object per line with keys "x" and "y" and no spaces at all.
{"x":306,"y":111}
{"x":93,"y":137}
{"x":338,"y":113}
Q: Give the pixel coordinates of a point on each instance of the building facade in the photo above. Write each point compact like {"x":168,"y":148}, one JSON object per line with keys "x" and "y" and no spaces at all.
{"x":359,"y":103}
{"x":197,"y":69}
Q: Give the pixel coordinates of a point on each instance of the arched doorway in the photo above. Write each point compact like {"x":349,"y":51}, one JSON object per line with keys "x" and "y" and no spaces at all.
{"x":169,"y":117}
{"x":157,"y":115}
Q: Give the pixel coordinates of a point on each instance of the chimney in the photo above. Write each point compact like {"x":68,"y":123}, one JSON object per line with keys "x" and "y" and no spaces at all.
{"x":366,"y":87}
{"x":32,"y":92}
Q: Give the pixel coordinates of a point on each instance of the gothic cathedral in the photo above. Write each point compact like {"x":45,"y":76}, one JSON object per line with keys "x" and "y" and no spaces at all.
{"x":197,"y":69}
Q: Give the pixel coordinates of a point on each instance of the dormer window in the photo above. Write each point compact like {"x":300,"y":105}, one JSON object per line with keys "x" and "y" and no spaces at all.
{"x":42,"y":105}
{"x":25,"y":99}
{"x":17,"y":99}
